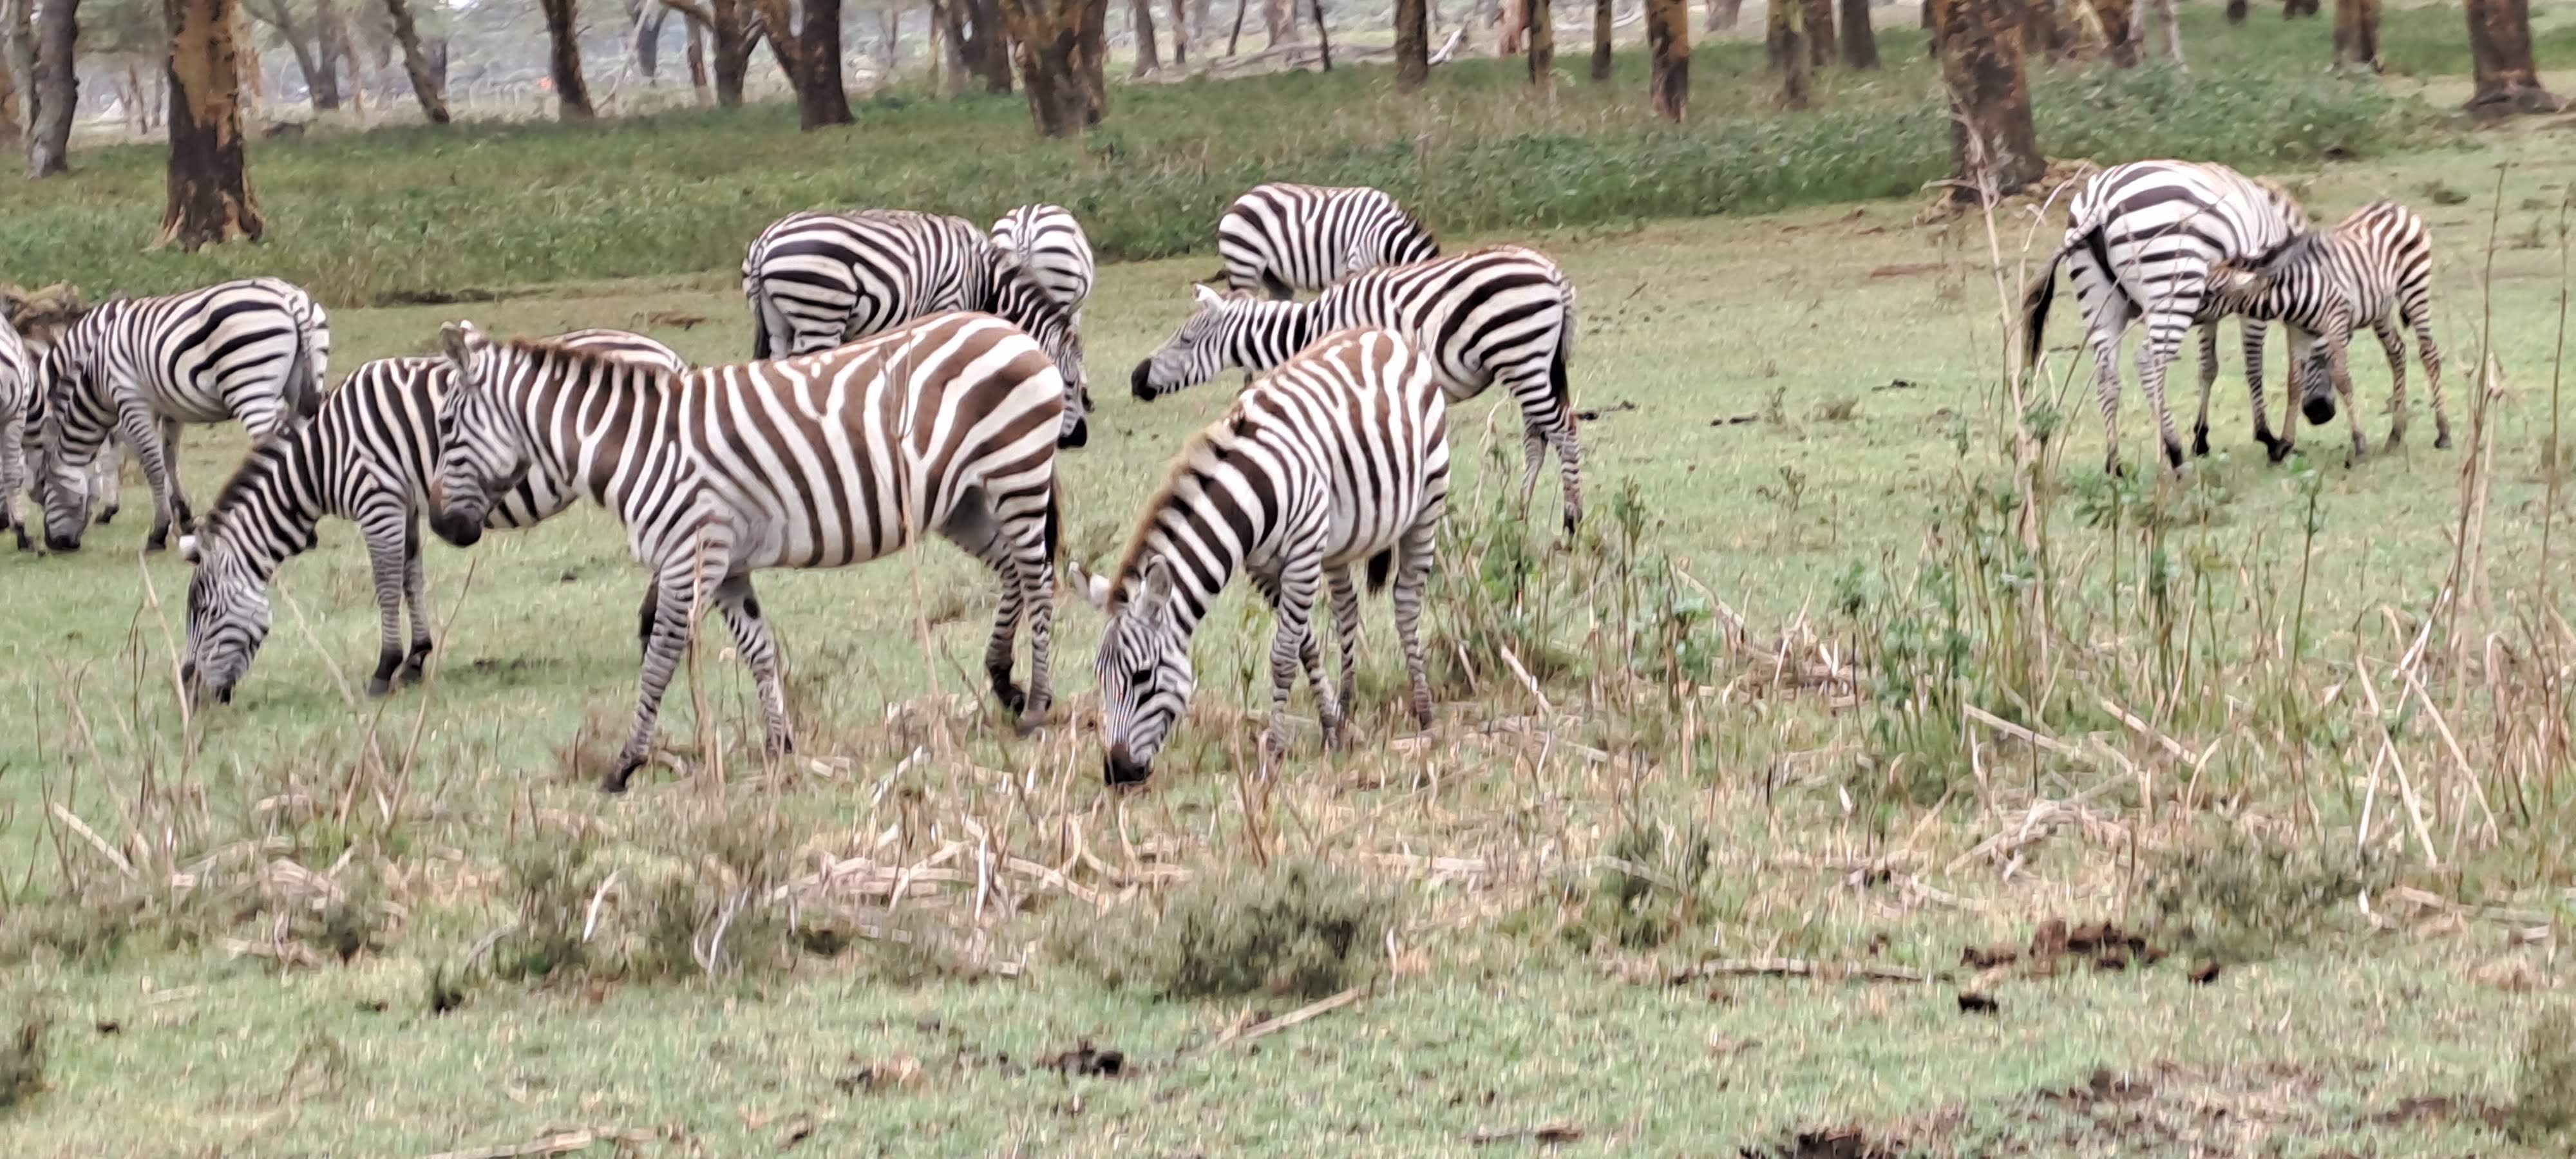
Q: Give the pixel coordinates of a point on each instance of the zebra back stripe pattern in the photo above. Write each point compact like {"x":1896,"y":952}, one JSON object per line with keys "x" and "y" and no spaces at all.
{"x":1050,"y":243}
{"x":1502,"y":314}
{"x":1340,"y":457}
{"x":1283,"y":239}
{"x":941,"y":426}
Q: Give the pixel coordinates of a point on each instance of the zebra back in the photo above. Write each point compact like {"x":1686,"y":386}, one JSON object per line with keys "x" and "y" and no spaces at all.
{"x":1284,"y":238}
{"x":1049,"y":241}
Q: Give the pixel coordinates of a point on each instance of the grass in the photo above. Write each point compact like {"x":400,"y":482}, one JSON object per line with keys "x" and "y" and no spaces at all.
{"x":1729,"y":724}
{"x":420,"y":214}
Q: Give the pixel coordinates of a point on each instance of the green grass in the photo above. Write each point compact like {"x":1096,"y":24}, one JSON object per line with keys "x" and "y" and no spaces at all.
{"x":1549,"y":870}
{"x":407,"y":213}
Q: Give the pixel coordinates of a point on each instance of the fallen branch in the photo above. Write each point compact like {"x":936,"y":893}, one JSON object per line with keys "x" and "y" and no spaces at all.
{"x":555,"y":1143}
{"x":1794,"y":968}
{"x":1293,"y":1017}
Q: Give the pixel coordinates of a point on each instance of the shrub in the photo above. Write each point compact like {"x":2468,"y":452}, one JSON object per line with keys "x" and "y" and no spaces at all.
{"x":2243,"y":897}
{"x":22,"y":1060}
{"x":1299,"y":929}
{"x":2544,"y":1108}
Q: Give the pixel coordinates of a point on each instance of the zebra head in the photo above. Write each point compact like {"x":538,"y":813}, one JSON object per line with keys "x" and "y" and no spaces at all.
{"x":1026,"y":303}
{"x":483,"y":441}
{"x":228,"y":614}
{"x":1214,"y":337}
{"x":1144,"y":668}
{"x":61,"y":485}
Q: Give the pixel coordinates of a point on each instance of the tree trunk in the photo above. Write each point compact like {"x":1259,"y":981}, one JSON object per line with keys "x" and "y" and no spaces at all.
{"x":2119,"y":30}
{"x":1724,"y":15}
{"x":2293,"y":9}
{"x":2169,"y":26}
{"x":1816,"y":23}
{"x":1234,"y":41}
{"x":1140,"y":23}
{"x":1279,"y":23}
{"x":729,"y":32}
{"x":55,"y":86}
{"x":1540,"y":26}
{"x":2500,"y":44}
{"x":1787,"y":42}
{"x":2356,"y":33}
{"x":1860,"y":39}
{"x":209,"y":181}
{"x":1323,"y":35}
{"x":313,"y":52}
{"x":428,"y":85}
{"x":978,"y":31}
{"x":1181,"y":27}
{"x":1994,"y":149}
{"x":1602,"y":18}
{"x":697,"y":56}
{"x":1058,"y":45}
{"x":822,"y":94}
{"x":1511,"y":27}
{"x":331,"y":43}
{"x":1412,"y":45}
{"x":17,"y":68}
{"x":2236,"y":11}
{"x":2041,"y":29}
{"x":572,"y":95}
{"x":13,"y":127}
{"x":1668,"y":44}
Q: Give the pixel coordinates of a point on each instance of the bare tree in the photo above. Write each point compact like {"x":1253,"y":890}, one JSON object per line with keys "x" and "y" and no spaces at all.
{"x":315,"y":56}
{"x":210,"y":198}
{"x":810,"y":55}
{"x":982,"y":40}
{"x":1816,"y":23}
{"x":1668,"y":43}
{"x":54,"y":88}
{"x":563,"y":39}
{"x":1993,"y":145}
{"x":428,"y":85}
{"x":2500,"y":47}
{"x":1140,"y":24}
{"x":1279,"y":23}
{"x":1860,"y":39}
{"x":1540,"y":26}
{"x":1323,"y":35}
{"x":729,"y":35}
{"x":2356,"y":33}
{"x":1181,"y":27}
{"x":1059,"y":47}
{"x":1412,"y":44}
{"x":2169,"y":25}
{"x":1602,"y":19}
{"x":17,"y":67}
{"x":1786,"y":39}
{"x":1723,"y":15}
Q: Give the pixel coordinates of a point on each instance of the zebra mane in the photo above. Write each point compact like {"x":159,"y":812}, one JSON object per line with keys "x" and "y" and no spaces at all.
{"x":267,"y":453}
{"x":548,"y":350}
{"x":1131,"y":562}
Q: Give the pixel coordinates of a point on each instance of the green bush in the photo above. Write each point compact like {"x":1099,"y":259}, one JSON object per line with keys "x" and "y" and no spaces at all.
{"x":1299,"y":929}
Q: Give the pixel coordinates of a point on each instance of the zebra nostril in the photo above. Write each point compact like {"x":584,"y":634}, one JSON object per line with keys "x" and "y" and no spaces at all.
{"x":1140,"y":382}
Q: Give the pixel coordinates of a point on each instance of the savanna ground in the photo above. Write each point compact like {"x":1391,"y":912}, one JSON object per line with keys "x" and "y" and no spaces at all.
{"x":1804,"y":691}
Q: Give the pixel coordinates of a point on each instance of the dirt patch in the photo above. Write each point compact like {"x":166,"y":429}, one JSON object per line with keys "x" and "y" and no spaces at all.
{"x":1830,"y":1143}
{"x":1087,"y":1060}
{"x":2056,"y":947}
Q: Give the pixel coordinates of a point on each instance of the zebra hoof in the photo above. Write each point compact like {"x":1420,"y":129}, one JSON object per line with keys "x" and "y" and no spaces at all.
{"x":1013,"y":700}
{"x":379,"y":687}
{"x":2442,"y":441}
{"x":2281,"y":448}
{"x":24,"y":543}
{"x":615,"y":781}
{"x":2200,"y":442}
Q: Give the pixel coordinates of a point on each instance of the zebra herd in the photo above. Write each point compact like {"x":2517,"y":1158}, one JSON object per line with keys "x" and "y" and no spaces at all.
{"x":912,"y":376}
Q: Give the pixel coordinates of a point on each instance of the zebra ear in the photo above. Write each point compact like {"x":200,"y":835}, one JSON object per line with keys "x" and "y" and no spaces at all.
{"x":1157,"y":586}
{"x":1095,"y":588}
{"x":1207,"y":298}
{"x":462,"y":341}
{"x":188,"y":548}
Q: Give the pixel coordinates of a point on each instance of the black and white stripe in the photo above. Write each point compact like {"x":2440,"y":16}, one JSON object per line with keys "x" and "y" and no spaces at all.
{"x":1500,"y":314}
{"x":2141,"y":240}
{"x":946,"y":425}
{"x":256,"y":350}
{"x":1283,"y":239}
{"x":1054,"y":249}
{"x":1340,"y":457}
{"x":366,"y":457}
{"x":17,"y":395}
{"x":817,"y":280}
{"x":2323,"y":283}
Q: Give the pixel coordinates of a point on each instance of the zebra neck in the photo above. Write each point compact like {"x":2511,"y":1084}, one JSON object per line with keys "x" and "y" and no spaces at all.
{"x":584,"y":425}
{"x":267,"y":512}
{"x":1192,"y":591}
{"x":1273,"y":333}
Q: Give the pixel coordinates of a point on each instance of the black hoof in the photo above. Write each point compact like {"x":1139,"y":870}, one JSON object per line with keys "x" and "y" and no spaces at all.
{"x":2442,"y":441}
{"x":157,"y":541}
{"x":2200,"y":442}
{"x":24,"y":543}
{"x":2281,"y":450}
{"x":1011,"y":697}
{"x":615,"y":781}
{"x":379,"y":688}
{"x":1119,"y":774}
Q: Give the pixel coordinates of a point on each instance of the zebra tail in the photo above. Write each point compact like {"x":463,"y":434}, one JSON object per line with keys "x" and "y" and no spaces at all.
{"x":758,"y":295}
{"x":1054,"y":532}
{"x":303,"y":379}
{"x":2034,"y":310}
{"x":1379,"y":567}
{"x":1558,"y":382}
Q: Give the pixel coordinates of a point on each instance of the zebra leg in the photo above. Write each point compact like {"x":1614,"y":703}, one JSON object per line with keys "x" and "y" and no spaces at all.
{"x":416,"y":593}
{"x":2103,"y":335}
{"x":675,"y":607}
{"x":143,"y":434}
{"x":388,"y":551}
{"x":180,"y":509}
{"x":1037,"y":603}
{"x":1346,"y":626}
{"x":2155,"y":357}
{"x":2393,"y":344}
{"x":2253,"y":331}
{"x":1006,"y":627}
{"x":2294,"y":392}
{"x":759,"y":649}
{"x":2208,"y":380}
{"x":2338,"y":341}
{"x":1412,"y":576}
{"x":109,"y":484}
{"x":2422,"y":320}
{"x":13,"y":474}
{"x":644,"y":619}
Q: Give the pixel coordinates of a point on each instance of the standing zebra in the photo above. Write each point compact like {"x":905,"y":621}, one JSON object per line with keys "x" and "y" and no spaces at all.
{"x":817,"y":280}
{"x":106,"y":482}
{"x":1281,"y":239}
{"x":1502,"y":313}
{"x":1339,"y":457}
{"x":365,"y":458}
{"x":17,"y":388}
{"x":2323,"y":283}
{"x":2141,"y":240}
{"x":256,"y":350}
{"x":944,"y":425}
{"x":1053,"y":248}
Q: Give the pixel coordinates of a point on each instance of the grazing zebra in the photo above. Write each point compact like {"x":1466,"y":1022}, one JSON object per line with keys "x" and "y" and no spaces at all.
{"x":366,"y":457}
{"x":256,"y":350}
{"x":1338,"y":457}
{"x":2141,"y":240}
{"x":1282,"y":239}
{"x":817,"y":280}
{"x":943,"y":425}
{"x":1500,"y":313}
{"x":2323,"y":283}
{"x":1054,"y":249}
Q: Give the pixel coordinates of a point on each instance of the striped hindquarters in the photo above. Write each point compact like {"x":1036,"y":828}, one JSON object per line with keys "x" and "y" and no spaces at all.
{"x":2154,"y":229}
{"x":247,"y":350}
{"x":1053,"y":248}
{"x":1281,"y":239}
{"x":1499,"y":313}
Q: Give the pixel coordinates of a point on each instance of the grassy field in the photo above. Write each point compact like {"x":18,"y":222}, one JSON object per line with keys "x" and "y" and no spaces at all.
{"x":1801,"y":692}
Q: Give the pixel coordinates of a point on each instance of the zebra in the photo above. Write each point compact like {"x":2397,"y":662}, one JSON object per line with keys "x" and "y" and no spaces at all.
{"x":2323,"y":283}
{"x":106,"y":472}
{"x":257,"y":350}
{"x":2141,"y":240}
{"x":1338,"y":457}
{"x":1499,"y":313}
{"x":945,"y":424}
{"x":17,"y":385}
{"x":1054,"y":249}
{"x":365,"y":457}
{"x":1282,"y":239}
{"x":817,"y":280}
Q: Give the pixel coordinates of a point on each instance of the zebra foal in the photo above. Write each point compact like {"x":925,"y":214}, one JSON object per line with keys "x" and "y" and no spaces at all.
{"x":817,"y":280}
{"x":2323,"y":284}
{"x":1500,"y":314}
{"x":944,"y":425}
{"x":1281,"y":238}
{"x":2141,"y":242}
{"x":1338,"y":457}
{"x":256,"y":350}
{"x":365,"y":457}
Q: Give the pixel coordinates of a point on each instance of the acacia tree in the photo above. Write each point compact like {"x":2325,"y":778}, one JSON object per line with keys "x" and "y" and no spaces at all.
{"x":1540,"y":26}
{"x":2356,"y":33}
{"x":1816,"y":25}
{"x":810,"y":55}
{"x":210,"y":198}
{"x":1786,"y":39}
{"x":1668,"y":45}
{"x":316,"y":56}
{"x":725,"y":28}
{"x":1412,"y":44}
{"x":563,"y":36}
{"x":980,"y":37}
{"x":2119,"y":29}
{"x":53,"y":89}
{"x":1140,"y":24}
{"x":1601,"y":21}
{"x":2500,"y":46}
{"x":1860,"y":40}
{"x":1994,"y":148}
{"x":1058,"y":44}
{"x":428,"y":85}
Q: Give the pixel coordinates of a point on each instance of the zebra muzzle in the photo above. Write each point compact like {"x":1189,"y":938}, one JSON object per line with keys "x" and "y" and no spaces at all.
{"x":1141,"y":382}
